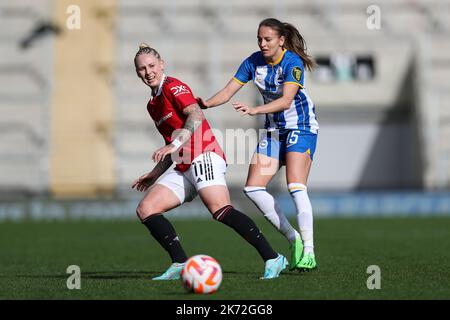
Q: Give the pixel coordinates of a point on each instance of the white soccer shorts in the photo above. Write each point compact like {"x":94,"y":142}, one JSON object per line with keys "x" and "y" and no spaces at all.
{"x":207,"y":169}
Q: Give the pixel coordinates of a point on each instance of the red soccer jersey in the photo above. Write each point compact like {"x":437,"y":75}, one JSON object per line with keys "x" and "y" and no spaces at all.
{"x":166,"y":109}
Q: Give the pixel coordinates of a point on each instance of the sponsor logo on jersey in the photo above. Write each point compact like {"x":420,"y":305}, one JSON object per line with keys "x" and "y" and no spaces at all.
{"x":260,"y":75}
{"x":167,"y":116}
{"x":279,"y":79}
{"x":179,"y":90}
{"x":297,"y":73}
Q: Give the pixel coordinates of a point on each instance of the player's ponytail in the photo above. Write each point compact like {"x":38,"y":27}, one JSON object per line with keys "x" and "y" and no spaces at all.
{"x":294,"y":41}
{"x":146,"y":49}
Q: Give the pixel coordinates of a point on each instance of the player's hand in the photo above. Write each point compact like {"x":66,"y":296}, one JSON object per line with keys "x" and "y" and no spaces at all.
{"x":201,"y":103}
{"x":161,"y":153}
{"x":144,"y":182}
{"x":244,"y":109}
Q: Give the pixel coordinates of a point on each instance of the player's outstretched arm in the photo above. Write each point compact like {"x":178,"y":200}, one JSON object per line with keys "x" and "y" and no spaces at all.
{"x":147,"y":180}
{"x":280,"y":104}
{"x":221,"y":97}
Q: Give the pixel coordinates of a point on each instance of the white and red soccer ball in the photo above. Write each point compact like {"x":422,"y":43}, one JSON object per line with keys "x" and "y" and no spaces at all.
{"x":201,"y":274}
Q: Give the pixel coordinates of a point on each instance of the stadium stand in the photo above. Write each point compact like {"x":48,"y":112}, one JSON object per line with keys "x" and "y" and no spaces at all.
{"x":25,"y":78}
{"x":404,"y":104}
{"x":212,"y":35}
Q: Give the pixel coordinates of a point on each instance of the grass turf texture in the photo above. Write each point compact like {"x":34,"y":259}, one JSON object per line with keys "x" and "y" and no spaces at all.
{"x":117,"y":260}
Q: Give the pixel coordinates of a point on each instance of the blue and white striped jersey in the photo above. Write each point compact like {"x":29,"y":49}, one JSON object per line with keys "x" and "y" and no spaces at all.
{"x":269,"y":79}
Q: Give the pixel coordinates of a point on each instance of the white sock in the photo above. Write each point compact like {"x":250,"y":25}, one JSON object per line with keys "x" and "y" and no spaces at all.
{"x":269,"y":207}
{"x":299,"y":193}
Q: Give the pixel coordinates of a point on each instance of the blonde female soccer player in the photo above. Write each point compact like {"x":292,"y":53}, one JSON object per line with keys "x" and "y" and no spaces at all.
{"x":200,"y":169}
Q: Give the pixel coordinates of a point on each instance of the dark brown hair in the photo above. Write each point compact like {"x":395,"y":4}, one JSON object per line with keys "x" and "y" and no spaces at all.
{"x":293,"y":39}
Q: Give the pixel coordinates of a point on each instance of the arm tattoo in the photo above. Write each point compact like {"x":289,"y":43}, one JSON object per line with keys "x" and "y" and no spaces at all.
{"x":195,"y":118}
{"x":162,"y":166}
{"x":193,"y":122}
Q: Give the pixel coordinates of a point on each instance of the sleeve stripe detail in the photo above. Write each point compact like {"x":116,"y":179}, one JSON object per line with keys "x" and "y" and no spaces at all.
{"x":295,"y":83}
{"x":238,"y":81}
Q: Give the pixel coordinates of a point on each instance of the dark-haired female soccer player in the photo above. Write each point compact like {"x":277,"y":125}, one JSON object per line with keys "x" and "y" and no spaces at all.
{"x":278,"y":71}
{"x":200,"y":169}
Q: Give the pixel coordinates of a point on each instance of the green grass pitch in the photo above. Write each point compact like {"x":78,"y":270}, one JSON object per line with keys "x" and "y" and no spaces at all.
{"x":117,"y":260}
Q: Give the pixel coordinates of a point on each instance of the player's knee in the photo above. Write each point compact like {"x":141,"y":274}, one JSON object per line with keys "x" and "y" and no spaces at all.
{"x":145,"y":210}
{"x":215,"y":197}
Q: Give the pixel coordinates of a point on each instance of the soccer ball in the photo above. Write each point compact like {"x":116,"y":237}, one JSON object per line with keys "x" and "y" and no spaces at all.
{"x":201,"y":274}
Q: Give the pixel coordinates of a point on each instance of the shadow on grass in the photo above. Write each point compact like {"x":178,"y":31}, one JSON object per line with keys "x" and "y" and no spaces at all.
{"x":95,"y":275}
{"x":110,"y":275}
{"x":259,"y":274}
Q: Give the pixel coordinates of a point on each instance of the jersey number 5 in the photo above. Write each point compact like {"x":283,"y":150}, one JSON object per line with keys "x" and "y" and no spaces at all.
{"x":293,"y":137}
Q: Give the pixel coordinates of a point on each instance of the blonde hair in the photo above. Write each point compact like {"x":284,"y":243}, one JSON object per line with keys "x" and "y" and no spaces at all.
{"x":146,"y":49}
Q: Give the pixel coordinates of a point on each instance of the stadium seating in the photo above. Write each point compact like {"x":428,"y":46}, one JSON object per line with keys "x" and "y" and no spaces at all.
{"x":25,"y":80}
{"x":203,"y":43}
{"x":213,"y":37}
